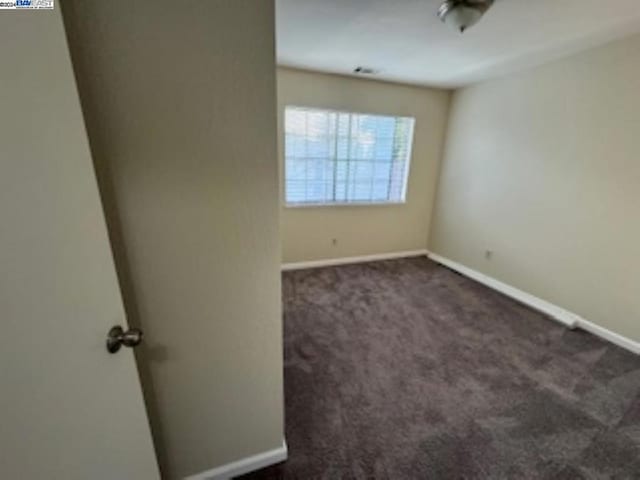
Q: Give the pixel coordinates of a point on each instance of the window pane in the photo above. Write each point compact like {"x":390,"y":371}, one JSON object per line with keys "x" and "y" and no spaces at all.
{"x":380,"y":190}
{"x":361,"y":191}
{"x":295,"y":122}
{"x":384,"y":148}
{"x":296,"y":169}
{"x":342,"y":152}
{"x":382,"y":171}
{"x":339,"y":157}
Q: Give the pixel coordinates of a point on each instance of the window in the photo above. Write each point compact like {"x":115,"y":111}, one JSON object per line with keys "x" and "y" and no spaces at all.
{"x":345,"y":158}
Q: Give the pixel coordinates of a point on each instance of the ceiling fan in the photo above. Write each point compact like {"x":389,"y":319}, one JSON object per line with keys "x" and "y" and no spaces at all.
{"x":462,"y":14}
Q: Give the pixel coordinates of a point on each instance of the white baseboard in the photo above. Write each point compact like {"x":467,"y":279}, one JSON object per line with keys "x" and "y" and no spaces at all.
{"x":610,"y":336}
{"x":559,"y":314}
{"x":329,"y":262}
{"x":243,"y":466}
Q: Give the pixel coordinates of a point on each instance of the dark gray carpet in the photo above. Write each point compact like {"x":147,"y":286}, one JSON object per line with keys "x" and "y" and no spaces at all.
{"x":406,"y":370}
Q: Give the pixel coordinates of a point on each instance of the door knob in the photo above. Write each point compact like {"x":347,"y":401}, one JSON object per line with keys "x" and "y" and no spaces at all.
{"x":118,"y":337}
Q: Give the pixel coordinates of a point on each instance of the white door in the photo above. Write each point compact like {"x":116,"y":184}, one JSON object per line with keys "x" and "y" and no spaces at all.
{"x":68,"y":409}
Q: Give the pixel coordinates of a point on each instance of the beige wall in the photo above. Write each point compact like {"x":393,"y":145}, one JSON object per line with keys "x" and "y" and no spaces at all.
{"x":543,"y":168}
{"x":179,"y":99}
{"x":307,"y":233}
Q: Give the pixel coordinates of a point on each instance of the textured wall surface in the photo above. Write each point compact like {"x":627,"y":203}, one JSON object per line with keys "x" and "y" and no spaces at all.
{"x":542,"y":168}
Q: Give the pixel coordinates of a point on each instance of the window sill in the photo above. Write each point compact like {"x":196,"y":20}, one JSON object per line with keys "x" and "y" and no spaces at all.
{"x":344,"y":204}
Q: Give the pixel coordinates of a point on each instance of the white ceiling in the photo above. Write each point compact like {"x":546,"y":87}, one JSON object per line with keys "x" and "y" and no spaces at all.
{"x":406,"y":41}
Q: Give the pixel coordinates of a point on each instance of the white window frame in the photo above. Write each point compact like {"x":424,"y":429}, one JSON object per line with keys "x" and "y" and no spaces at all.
{"x":374,"y":203}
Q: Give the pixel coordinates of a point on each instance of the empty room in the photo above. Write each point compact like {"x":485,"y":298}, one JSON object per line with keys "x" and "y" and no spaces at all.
{"x":320,"y":239}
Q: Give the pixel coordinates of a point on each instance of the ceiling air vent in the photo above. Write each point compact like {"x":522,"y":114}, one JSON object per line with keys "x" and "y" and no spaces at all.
{"x":365,"y":71}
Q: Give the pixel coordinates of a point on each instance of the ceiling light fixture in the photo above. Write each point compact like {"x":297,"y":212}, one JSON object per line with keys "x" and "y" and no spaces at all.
{"x":462,"y":14}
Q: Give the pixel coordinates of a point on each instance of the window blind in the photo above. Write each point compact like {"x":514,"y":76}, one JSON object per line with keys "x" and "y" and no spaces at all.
{"x":336,"y":157}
